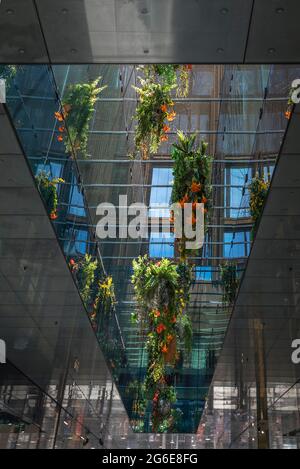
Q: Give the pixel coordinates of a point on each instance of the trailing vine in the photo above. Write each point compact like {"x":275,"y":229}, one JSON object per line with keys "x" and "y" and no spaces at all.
{"x":192,"y":179}
{"x":161,"y":291}
{"x":48,"y":191}
{"x":229,"y":281}
{"x":258,"y":189}
{"x":7,"y":73}
{"x":77,"y":111}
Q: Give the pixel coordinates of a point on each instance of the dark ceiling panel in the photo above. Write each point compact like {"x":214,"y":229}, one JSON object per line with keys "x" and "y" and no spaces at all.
{"x":274,"y":32}
{"x":21,"y":39}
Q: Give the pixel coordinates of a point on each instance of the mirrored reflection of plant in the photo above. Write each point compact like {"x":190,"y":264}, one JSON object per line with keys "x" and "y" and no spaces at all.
{"x":229,"y":281}
{"x":48,"y":191}
{"x":258,"y":190}
{"x":77,"y":110}
{"x":7,"y":73}
{"x":96,"y":289}
{"x":161,"y":291}
{"x":153,"y":112}
{"x":192,"y":179}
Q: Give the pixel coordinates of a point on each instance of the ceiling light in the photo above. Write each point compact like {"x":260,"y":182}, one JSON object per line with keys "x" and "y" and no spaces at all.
{"x":64,"y":11}
{"x":144,"y":11}
{"x":220,"y":50}
{"x":224,"y":11}
{"x":73,"y":51}
{"x":279,"y":10}
{"x":10,"y":11}
{"x":21,"y":51}
{"x":271,"y":50}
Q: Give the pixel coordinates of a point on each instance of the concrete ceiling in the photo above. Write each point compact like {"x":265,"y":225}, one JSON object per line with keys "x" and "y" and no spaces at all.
{"x":137,"y":31}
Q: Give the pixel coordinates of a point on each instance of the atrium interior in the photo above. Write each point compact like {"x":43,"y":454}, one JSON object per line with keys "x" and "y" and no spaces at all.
{"x":123,"y":339}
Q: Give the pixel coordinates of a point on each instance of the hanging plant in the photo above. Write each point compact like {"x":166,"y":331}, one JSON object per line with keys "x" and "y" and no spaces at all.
{"x":258,"y":189}
{"x":290,"y":103}
{"x":85,"y":270}
{"x":137,"y":391}
{"x":77,"y":111}
{"x":229,"y":281}
{"x":105,"y":295}
{"x":161,"y":291}
{"x":48,"y":191}
{"x":154,"y":112}
{"x":177,"y":76}
{"x":184,"y":81}
{"x":192,"y":179}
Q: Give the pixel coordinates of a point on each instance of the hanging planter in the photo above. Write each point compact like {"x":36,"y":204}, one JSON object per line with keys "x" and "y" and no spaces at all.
{"x":48,"y":191}
{"x":229,"y":281}
{"x":161,"y":291}
{"x":153,"y":114}
{"x":192,"y":180}
{"x":177,"y":76}
{"x":258,"y":190}
{"x":77,"y":110}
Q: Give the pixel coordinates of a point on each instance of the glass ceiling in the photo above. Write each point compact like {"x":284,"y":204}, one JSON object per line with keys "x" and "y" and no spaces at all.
{"x":240,"y":111}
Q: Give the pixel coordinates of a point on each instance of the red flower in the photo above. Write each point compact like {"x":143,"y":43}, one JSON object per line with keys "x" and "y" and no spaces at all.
{"x":164,"y":349}
{"x":61,"y":128}
{"x":174,"y":319}
{"x":161,"y":327}
{"x":60,"y":138}
{"x":164,"y":107}
{"x":156,"y":313}
{"x":53,"y":215}
{"x":72,"y":262}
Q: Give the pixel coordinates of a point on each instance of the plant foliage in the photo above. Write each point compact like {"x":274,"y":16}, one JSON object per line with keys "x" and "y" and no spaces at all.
{"x":48,"y":190}
{"x":77,"y":111}
{"x":258,"y":189}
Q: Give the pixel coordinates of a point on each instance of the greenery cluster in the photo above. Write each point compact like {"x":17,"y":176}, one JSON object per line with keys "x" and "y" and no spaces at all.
{"x":154,"y":109}
{"x":48,"y":191}
{"x":78,"y":108}
{"x":229,"y":281}
{"x":191,"y":178}
{"x":161,"y":291}
{"x":258,"y":189}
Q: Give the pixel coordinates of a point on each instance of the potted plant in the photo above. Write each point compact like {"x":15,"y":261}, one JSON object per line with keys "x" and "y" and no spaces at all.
{"x":77,"y":110}
{"x":48,"y":191}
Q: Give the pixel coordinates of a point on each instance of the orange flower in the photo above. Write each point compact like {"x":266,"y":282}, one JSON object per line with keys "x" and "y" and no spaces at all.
{"x":60,"y":138}
{"x":287,"y":114}
{"x":189,"y":66}
{"x":156,"y":314}
{"x":174,"y":319}
{"x":184,"y":200}
{"x":171,"y":116}
{"x":59,"y":116}
{"x":161,"y":327}
{"x":166,"y":128}
{"x":169,"y":338}
{"x":204,"y":199}
{"x":61,"y":128}
{"x":164,"y":107}
{"x":164,"y":349}
{"x":195,"y":187}
{"x":164,"y":138}
{"x":72,"y":262}
{"x":53,"y":215}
